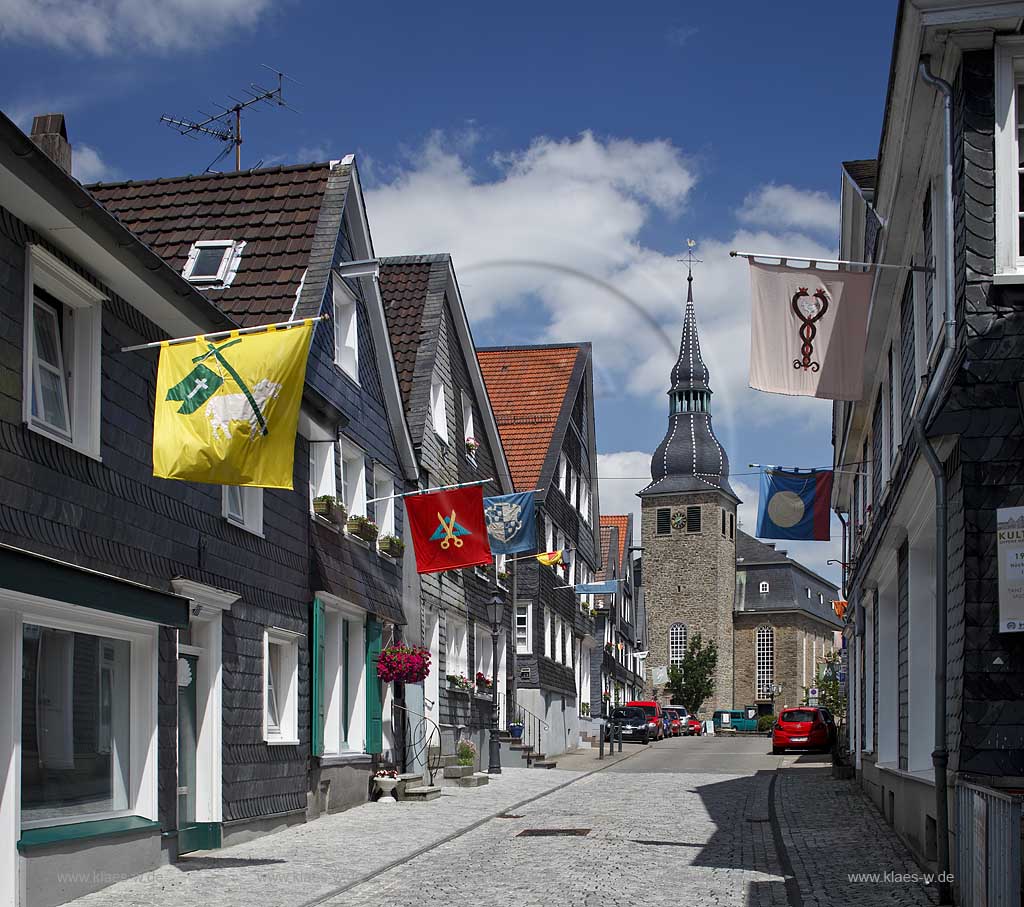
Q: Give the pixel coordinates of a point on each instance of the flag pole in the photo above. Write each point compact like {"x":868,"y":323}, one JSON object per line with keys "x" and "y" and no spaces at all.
{"x":785,"y":259}
{"x":220,"y":334}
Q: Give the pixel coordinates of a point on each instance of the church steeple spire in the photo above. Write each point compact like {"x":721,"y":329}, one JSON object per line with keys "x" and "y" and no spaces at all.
{"x":690,"y":457}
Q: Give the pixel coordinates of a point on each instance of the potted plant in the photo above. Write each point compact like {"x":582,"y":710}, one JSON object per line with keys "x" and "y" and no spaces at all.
{"x":466,"y":752}
{"x":391,"y":546}
{"x":330,"y":508}
{"x":484,"y":684}
{"x":609,"y":648}
{"x":585,"y":709}
{"x":403,"y":664}
{"x":502,"y":579}
{"x":472,"y":446}
{"x":362,"y":528}
{"x":515,"y":730}
{"x":459,"y":683}
{"x":386,"y":780}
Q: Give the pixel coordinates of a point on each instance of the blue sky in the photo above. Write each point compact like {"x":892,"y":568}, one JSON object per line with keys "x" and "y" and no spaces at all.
{"x":562,"y":152}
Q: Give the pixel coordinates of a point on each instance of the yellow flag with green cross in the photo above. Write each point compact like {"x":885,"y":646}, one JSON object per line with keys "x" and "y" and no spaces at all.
{"x":227,"y":409}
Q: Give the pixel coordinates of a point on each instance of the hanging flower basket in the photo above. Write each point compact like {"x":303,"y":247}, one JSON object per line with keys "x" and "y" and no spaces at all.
{"x":403,"y":664}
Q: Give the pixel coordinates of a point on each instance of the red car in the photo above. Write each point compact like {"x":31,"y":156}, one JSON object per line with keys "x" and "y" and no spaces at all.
{"x":655,"y":718}
{"x":675,"y":723}
{"x":694,"y":726}
{"x":802,"y":728}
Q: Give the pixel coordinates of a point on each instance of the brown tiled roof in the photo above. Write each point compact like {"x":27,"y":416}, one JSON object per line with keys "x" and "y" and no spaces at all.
{"x":403,"y":285}
{"x":527,"y":386}
{"x":275,"y":211}
{"x":621,"y":522}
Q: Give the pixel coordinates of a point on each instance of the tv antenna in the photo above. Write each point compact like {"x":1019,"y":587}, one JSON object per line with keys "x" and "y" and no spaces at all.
{"x":226,"y":126}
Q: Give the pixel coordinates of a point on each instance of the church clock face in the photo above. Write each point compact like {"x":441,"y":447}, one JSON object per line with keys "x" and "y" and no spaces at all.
{"x":678,"y":520}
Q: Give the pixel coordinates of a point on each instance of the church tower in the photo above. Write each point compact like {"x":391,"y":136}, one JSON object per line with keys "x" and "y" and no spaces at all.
{"x":689,"y":528}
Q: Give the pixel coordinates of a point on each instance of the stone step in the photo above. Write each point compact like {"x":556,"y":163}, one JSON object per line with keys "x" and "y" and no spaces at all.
{"x":422,"y":793}
{"x":409,"y":779}
{"x":458,"y":771}
{"x":533,"y":757}
{"x":544,"y":763}
{"x":446,"y":761}
{"x":521,"y":746}
{"x":478,"y":779}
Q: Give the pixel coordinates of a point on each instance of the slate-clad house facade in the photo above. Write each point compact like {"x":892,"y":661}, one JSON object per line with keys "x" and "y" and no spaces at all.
{"x":543,"y":400}
{"x":896,"y":210}
{"x":618,"y":625}
{"x":456,"y":440}
{"x":301,"y":248}
{"x":783,"y":626}
{"x":114,"y":585}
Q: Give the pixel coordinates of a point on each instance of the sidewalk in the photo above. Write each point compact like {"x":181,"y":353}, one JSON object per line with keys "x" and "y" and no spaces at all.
{"x":841,"y":849}
{"x":307,"y":863}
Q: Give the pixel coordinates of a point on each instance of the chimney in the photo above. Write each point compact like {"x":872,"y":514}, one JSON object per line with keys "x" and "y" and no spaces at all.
{"x":51,"y":135}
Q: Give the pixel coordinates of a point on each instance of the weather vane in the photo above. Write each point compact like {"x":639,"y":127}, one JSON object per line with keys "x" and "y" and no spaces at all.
{"x":227,"y":126}
{"x":691,"y":244}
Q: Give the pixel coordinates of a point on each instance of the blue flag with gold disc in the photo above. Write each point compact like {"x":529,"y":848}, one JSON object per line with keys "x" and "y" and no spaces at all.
{"x":511,"y":524}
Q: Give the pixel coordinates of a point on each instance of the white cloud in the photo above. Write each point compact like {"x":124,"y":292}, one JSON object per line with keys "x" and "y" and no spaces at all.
{"x":102,"y":27}
{"x":787,"y":206}
{"x":619,"y":479}
{"x":557,"y":227}
{"x":88,"y":167}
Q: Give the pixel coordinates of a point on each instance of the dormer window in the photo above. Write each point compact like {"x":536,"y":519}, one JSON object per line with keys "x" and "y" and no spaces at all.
{"x":213,"y":262}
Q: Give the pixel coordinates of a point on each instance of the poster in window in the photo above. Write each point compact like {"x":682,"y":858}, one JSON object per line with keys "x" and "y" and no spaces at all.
{"x":1010,"y":548}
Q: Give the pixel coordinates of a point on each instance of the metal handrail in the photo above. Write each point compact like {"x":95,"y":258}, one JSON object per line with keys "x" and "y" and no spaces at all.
{"x":424,"y":738}
{"x":532,"y":725}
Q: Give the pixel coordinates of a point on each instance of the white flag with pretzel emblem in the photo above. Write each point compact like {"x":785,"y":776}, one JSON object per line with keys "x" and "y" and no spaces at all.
{"x":807,"y":331}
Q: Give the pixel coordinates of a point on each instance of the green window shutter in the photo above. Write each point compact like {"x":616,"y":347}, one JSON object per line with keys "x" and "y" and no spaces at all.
{"x":374,"y":723}
{"x":318,"y":677}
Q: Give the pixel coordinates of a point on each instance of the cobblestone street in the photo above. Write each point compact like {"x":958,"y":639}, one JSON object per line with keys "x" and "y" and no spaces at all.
{"x":662,"y":827}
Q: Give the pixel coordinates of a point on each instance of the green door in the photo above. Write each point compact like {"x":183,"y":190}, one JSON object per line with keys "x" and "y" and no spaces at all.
{"x":192,"y":835}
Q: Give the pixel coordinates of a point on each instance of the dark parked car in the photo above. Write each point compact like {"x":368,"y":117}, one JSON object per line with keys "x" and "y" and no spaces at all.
{"x":634,"y":724}
{"x":652,"y":710}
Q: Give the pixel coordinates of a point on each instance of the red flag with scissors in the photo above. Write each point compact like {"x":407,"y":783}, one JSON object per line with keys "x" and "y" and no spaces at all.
{"x":449,"y":529}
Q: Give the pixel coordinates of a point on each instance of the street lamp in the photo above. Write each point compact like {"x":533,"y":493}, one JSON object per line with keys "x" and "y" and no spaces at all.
{"x":495,"y":613}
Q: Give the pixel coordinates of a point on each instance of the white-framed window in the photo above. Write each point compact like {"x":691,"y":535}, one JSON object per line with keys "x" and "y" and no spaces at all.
{"x":438,"y":409}
{"x":765,"y":658}
{"x":468,"y":429}
{"x":213,"y":262}
{"x":63,"y":317}
{"x":280,"y":686}
{"x":574,"y":489}
{"x":563,"y":474}
{"x":458,"y":654}
{"x":585,"y":501}
{"x":821,"y":598}
{"x":808,"y":591}
{"x":676,"y":644}
{"x":346,"y":329}
{"x":896,"y":399}
{"x":1009,"y":131}
{"x":549,"y":535}
{"x":500,"y":567}
{"x":344,"y":679}
{"x":322,"y":472}
{"x":547,"y":632}
{"x":484,"y":653}
{"x":559,"y":651}
{"x":763,"y":588}
{"x":242,"y":506}
{"x":384,"y":501}
{"x":353,"y":479}
{"x":524,"y":628}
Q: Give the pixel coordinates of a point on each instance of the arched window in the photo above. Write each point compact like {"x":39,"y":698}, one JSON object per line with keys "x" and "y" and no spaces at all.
{"x":765,"y":662}
{"x":676,"y":644}
{"x":763,"y":588}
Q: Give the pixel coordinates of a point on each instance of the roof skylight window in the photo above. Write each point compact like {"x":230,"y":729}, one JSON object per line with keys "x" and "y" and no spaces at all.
{"x":213,"y":262}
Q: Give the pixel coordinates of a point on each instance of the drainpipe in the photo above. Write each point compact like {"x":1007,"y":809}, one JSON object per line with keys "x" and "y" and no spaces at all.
{"x":844,"y":556}
{"x":940,"y":757}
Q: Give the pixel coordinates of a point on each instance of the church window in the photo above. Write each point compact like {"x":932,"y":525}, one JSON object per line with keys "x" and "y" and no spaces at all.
{"x":723,"y":522}
{"x":765,"y":661}
{"x":664,"y":521}
{"x":732,"y":525}
{"x":693,"y":519}
{"x":763,"y":588}
{"x":676,"y":644}
{"x":808,"y":593}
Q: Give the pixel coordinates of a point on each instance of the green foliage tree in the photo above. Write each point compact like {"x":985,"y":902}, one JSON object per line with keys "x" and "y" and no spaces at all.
{"x":691,"y":683}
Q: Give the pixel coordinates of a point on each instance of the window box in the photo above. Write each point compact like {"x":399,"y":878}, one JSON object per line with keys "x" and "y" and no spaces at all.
{"x":327,"y":507}
{"x":391,"y":546}
{"x":459,"y":683}
{"x":362,"y":528}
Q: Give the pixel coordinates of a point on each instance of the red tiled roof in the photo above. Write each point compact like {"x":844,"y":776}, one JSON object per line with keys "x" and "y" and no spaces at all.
{"x":621,"y":522}
{"x":275,"y":211}
{"x":403,"y":287}
{"x":527,"y":386}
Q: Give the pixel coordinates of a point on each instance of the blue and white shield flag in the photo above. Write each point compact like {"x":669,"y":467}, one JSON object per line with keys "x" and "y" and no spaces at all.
{"x":511,"y":524}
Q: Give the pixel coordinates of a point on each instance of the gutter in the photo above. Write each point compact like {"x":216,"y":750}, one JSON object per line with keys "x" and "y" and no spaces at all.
{"x":940,"y":756}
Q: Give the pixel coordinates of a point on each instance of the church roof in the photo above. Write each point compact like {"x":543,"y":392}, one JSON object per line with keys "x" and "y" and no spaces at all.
{"x":689,"y":457}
